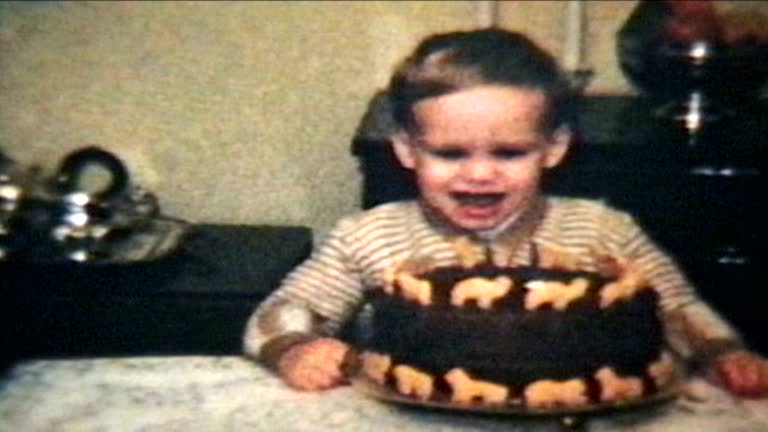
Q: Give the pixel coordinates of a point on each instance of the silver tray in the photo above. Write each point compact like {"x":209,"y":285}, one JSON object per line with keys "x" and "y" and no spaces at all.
{"x":155,"y":238}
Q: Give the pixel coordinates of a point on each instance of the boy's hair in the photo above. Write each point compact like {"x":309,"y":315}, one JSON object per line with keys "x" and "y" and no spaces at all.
{"x":449,"y":62}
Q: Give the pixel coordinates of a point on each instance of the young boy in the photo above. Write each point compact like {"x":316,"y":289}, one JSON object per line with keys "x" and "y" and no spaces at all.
{"x":481,"y":115}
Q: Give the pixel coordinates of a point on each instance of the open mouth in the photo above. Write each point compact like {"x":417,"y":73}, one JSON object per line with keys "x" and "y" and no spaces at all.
{"x":477,"y":199}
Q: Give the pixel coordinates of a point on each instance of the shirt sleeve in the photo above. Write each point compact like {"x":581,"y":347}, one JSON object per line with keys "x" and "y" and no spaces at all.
{"x":694,"y":330}
{"x":313,"y":300}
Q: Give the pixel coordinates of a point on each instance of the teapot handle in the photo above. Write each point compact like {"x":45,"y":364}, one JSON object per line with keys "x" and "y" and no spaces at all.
{"x":74,"y":164}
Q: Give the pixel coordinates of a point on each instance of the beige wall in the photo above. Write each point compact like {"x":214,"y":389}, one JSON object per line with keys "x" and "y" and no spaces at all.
{"x":234,"y":112}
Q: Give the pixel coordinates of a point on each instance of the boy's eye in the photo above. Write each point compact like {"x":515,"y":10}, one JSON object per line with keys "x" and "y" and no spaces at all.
{"x":448,"y":154}
{"x":508,"y":154}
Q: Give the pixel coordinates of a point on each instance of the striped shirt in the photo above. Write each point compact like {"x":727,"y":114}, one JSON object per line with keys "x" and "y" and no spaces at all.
{"x":324,"y":290}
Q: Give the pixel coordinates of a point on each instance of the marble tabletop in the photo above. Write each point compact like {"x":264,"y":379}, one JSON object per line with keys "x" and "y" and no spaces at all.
{"x":230,"y":393}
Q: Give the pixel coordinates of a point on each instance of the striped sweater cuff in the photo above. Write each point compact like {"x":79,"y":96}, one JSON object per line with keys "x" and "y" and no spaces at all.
{"x":708,"y":351}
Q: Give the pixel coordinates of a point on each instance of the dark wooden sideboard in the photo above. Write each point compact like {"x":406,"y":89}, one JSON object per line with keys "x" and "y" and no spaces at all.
{"x":704,"y":201}
{"x":193,"y":301}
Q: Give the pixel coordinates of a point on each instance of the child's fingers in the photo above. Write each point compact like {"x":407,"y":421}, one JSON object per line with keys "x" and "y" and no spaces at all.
{"x":314,"y":366}
{"x":744,"y":374}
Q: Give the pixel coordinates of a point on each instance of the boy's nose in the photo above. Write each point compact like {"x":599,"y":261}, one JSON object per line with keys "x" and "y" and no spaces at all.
{"x":479,"y":170}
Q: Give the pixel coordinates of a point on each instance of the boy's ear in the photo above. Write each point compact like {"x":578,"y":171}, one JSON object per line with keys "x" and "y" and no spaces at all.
{"x":558,"y":147}
{"x":403,"y":149}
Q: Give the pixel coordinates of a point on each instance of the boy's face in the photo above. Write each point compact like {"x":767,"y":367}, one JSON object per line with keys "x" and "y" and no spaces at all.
{"x":479,"y":153}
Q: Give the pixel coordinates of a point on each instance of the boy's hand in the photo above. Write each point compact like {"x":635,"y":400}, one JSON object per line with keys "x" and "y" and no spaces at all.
{"x":742,"y":372}
{"x":314,"y":365}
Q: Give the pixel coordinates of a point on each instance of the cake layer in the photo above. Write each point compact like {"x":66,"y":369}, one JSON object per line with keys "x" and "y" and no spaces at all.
{"x":515,"y":348}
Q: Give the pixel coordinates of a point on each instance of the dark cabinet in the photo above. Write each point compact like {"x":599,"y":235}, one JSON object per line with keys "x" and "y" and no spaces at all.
{"x":194,"y":301}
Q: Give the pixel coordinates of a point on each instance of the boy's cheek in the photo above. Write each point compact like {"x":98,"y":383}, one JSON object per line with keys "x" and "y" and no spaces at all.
{"x":435,"y":176}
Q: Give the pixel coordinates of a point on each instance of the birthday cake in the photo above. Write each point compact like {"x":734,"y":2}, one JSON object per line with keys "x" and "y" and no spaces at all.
{"x":536,"y":337}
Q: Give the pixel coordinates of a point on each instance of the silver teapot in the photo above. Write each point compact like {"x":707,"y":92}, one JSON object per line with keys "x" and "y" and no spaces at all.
{"x":84,"y":211}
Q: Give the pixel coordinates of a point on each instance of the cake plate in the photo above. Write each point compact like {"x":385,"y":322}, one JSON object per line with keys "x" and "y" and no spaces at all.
{"x":570,"y":419}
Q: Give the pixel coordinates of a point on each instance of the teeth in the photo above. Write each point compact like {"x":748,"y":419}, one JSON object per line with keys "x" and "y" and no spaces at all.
{"x":479,"y":200}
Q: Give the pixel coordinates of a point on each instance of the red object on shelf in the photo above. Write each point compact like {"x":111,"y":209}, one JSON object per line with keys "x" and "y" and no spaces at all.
{"x":692,"y":20}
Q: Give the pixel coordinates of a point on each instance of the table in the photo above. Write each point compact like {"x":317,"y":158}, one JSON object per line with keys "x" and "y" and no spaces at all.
{"x":230,"y":393}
